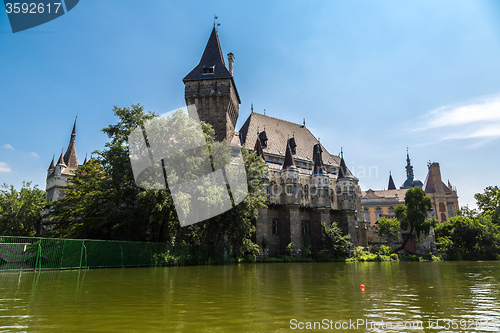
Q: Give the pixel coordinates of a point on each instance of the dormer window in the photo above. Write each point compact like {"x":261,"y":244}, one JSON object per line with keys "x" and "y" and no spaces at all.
{"x":263,"y":139}
{"x":208,"y":70}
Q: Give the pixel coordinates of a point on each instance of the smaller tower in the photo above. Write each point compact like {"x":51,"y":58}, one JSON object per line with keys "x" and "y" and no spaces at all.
{"x":346,"y":198}
{"x":391,"y":185}
{"x":289,"y":178}
{"x":320,"y":183}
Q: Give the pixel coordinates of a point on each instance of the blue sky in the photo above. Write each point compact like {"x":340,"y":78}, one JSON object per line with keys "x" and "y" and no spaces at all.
{"x":372,"y":77}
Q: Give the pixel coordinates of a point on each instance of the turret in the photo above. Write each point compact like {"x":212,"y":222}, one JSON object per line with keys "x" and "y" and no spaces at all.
{"x":289,"y":178}
{"x":210,"y":87}
{"x":346,"y":195}
{"x":320,"y":182}
{"x":60,"y":166}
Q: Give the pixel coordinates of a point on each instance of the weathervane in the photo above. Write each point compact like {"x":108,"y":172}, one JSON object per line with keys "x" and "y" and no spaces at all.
{"x":215,"y":22}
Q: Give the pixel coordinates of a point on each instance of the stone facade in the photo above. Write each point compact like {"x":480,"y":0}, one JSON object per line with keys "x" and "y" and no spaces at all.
{"x":217,"y":103}
{"x":305,"y":184}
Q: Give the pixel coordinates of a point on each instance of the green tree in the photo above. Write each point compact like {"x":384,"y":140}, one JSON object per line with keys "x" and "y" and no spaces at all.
{"x":335,"y":242}
{"x":469,"y":238}
{"x":389,"y":228}
{"x":489,"y":202}
{"x":103,"y":200}
{"x":413,"y":215}
{"x":21,"y":211}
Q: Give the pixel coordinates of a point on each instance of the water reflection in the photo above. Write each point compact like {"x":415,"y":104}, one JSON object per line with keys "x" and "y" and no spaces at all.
{"x":253,"y":298}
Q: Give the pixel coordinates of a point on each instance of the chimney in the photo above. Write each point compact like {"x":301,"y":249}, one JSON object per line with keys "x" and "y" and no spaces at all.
{"x":230,"y":60}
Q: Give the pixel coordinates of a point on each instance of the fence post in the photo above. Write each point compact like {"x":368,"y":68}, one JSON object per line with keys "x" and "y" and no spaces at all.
{"x":81,"y":253}
{"x":121,"y":251}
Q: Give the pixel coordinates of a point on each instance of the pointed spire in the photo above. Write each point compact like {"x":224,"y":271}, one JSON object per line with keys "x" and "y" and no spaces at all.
{"x":85,"y":161}
{"x":73,"y":132}
{"x":319,"y":168}
{"x":70,"y":158}
{"x":289,"y":162}
{"x":391,"y":185}
{"x":52,"y":165}
{"x":409,"y":172}
{"x":212,"y":64}
{"x":61,"y":160}
{"x":343,"y":170}
{"x":258,"y":148}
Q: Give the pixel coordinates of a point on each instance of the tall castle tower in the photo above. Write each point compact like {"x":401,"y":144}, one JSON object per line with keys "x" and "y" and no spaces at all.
{"x":210,"y":86}
{"x":58,"y":174}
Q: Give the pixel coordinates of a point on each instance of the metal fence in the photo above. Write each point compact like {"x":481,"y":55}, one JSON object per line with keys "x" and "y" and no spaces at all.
{"x":33,"y":253}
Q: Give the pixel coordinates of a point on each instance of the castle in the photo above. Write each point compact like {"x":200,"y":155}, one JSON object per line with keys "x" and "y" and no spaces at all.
{"x":58,"y":174}
{"x":306,"y":185}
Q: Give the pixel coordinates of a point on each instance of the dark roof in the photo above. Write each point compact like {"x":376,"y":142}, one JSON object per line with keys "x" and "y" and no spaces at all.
{"x":289,"y":162}
{"x":61,"y":160}
{"x":70,"y":158}
{"x":258,"y":148}
{"x":319,"y":168}
{"x":391,"y":185}
{"x":343,"y":170}
{"x":52,"y":165}
{"x":278,"y":132}
{"x":212,"y":56}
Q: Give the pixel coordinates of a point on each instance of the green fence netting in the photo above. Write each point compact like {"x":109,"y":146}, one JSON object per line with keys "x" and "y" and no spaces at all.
{"x":33,"y":253}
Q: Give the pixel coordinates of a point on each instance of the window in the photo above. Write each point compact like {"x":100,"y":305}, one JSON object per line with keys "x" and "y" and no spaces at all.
{"x":367,"y":216}
{"x":273,"y":188}
{"x":306,"y":191}
{"x":305,"y":228}
{"x":432,"y":212}
{"x":378,"y":212}
{"x":208,"y":70}
{"x":275,"y":227}
{"x":450,"y":211}
{"x":391,"y":212}
{"x":289,"y":189}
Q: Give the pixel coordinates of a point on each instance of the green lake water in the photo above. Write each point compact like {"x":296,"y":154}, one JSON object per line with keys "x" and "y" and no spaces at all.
{"x":429,"y":296}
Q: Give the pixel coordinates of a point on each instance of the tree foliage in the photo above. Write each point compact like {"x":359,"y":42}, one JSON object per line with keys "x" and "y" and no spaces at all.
{"x":21,"y":211}
{"x":413,"y":215}
{"x":389,"y":228}
{"x":336,"y":243}
{"x":103,"y":200}
{"x":473,"y":235}
{"x":469,"y":238}
{"x":489,"y":202}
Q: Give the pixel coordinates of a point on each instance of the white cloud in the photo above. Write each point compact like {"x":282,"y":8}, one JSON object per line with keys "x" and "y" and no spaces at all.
{"x":34,"y":154}
{"x":7,"y":146}
{"x":476,"y":120}
{"x":4,"y":167}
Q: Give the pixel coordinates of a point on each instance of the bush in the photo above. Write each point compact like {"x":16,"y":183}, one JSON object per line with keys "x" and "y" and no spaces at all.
{"x":250,"y":258}
{"x":384,"y":250}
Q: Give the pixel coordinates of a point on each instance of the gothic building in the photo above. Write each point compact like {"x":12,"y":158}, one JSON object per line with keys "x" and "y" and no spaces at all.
{"x":58,"y":174}
{"x":306,"y":185}
{"x":378,"y":203}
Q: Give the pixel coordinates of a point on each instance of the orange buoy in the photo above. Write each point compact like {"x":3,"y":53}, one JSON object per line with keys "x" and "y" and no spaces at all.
{"x":362,"y":287}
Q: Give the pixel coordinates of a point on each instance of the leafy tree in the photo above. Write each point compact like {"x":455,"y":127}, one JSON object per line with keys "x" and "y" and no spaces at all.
{"x":389,"y":228}
{"x":103,"y":200}
{"x":413,"y":215}
{"x":489,"y":202}
{"x":336,"y":243}
{"x":469,"y":238}
{"x":21,"y":211}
